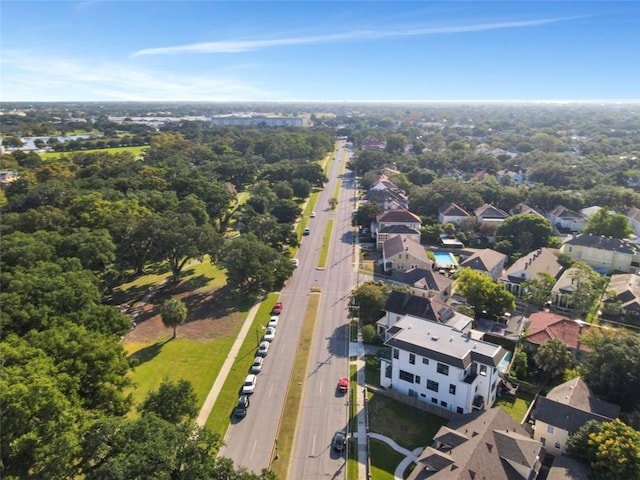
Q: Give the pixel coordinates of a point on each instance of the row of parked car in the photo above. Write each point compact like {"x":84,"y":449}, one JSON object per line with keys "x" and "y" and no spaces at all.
{"x":256,"y":367}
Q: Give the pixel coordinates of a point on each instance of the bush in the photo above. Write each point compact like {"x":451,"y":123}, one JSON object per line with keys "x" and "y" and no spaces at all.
{"x":370,"y":336}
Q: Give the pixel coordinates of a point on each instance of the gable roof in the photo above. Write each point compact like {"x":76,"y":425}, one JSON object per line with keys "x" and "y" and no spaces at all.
{"x":626,"y":287}
{"x":398,"y":216}
{"x":550,"y":326}
{"x":382,"y":196}
{"x":634,"y":214}
{"x":422,"y":278}
{"x":398,"y":244}
{"x":522,"y":208}
{"x":601,"y":242}
{"x":483,"y":259}
{"x":398,"y":230}
{"x":488,"y":211}
{"x":494,"y":444}
{"x":538,"y":261}
{"x":570,"y":405}
{"x":453,"y":210}
{"x":561,"y":211}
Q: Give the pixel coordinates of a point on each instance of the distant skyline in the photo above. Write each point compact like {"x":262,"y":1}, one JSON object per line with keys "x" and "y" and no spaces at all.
{"x":320,"y":51}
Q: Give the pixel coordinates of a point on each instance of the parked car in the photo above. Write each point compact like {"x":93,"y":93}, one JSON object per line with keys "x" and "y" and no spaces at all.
{"x":273,"y":321}
{"x":263,"y":349}
{"x":343,"y":385}
{"x":249,"y":384}
{"x":339,"y":441}
{"x":313,"y":214}
{"x":277,"y":308}
{"x":296,"y":262}
{"x":307,"y":231}
{"x":269,"y":334}
{"x":242,"y":406}
{"x":256,"y":366}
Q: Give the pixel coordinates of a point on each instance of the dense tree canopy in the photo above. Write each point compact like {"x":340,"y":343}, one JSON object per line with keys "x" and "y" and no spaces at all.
{"x":483,"y":294}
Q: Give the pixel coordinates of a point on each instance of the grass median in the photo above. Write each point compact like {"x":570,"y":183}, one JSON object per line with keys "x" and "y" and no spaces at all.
{"x":326,"y":242}
{"x":290,"y":413}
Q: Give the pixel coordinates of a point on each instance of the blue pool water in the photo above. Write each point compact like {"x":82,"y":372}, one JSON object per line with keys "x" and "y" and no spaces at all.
{"x":445,"y":260}
{"x":505,"y":362}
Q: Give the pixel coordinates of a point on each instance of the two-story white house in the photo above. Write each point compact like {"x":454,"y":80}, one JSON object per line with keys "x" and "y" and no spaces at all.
{"x":441,"y":365}
{"x":396,"y":222}
{"x":566,"y":220}
{"x":454,"y":214}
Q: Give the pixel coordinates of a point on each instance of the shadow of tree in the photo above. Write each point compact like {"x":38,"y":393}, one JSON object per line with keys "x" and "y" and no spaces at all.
{"x":147,"y":353}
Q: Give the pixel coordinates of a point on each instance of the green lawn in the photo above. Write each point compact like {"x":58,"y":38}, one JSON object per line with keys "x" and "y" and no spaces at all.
{"x":408,"y":426}
{"x":384,"y":460}
{"x":135,"y":151}
{"x":197,"y":362}
{"x":516,"y":407}
{"x":326,"y":242}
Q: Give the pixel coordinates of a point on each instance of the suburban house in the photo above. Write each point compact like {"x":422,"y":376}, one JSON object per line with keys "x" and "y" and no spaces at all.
{"x":423,"y":282}
{"x":403,"y":253}
{"x":401,"y":304}
{"x":545,"y":326}
{"x":438,"y":364}
{"x":564,"y":410}
{"x":633,"y":217}
{"x":483,"y":260}
{"x":489,"y":215}
{"x":563,"y":289}
{"x":387,"y":199}
{"x":383,"y":183}
{"x":528,"y":267}
{"x":371,"y":143}
{"x":565,"y":220}
{"x":625,"y":288}
{"x":452,"y":213}
{"x":7,"y":177}
{"x":523,"y":208}
{"x":603,"y":254}
{"x":396,"y":222}
{"x":487,"y":445}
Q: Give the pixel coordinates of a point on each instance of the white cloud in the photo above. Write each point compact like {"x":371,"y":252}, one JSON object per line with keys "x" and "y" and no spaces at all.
{"x":31,"y":78}
{"x":236,"y":46}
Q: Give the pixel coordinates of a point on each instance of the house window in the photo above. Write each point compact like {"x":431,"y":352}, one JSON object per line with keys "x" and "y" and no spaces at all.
{"x":452,"y":389}
{"x":396,"y":353}
{"x":434,"y":400}
{"x":557,"y":445}
{"x":443,"y":403}
{"x":460,"y":410}
{"x":550,"y":429}
{"x":406,"y":376}
{"x":483,"y":370}
{"x":431,"y":385}
{"x":417,"y":379}
{"x":425,"y":361}
{"x":443,"y":369}
{"x":543,"y":441}
{"x":412,"y":359}
{"x":493,"y":387}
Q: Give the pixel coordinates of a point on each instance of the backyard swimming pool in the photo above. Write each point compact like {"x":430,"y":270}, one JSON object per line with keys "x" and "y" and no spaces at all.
{"x":505,"y":362}
{"x":445,"y":260}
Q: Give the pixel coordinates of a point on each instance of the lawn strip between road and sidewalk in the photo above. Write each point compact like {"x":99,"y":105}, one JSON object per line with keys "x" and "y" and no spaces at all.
{"x":220,"y":416}
{"x":291,"y":410}
{"x":352,"y":424}
{"x":326,"y":243}
{"x":384,"y":460}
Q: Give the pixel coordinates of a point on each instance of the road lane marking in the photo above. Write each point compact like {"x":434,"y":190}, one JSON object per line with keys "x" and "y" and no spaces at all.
{"x":255,"y":442}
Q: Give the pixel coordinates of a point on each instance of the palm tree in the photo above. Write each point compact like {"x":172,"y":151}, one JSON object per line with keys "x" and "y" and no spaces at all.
{"x":173,"y":313}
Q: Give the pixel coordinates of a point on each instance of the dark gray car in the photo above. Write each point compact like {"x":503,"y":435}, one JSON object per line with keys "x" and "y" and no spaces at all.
{"x":241,"y":409}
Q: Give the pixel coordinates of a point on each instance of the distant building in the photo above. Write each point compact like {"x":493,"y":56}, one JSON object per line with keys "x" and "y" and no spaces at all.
{"x":452,"y":213}
{"x":250,"y":120}
{"x":489,"y":215}
{"x":624,"y":288}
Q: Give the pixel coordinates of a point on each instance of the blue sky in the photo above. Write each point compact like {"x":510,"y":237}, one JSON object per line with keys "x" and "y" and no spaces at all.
{"x":319,"y":51}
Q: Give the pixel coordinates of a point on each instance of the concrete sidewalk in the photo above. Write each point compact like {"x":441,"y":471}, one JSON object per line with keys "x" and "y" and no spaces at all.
{"x":210,"y":401}
{"x":356,"y":349}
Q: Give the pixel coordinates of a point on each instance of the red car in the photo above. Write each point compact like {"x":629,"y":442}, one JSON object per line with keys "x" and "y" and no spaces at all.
{"x":277,"y":308}
{"x":343,"y":384}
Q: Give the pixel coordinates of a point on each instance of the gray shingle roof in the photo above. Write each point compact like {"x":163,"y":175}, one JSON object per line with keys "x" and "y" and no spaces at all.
{"x":603,"y":243}
{"x":398,"y":216}
{"x":422,"y":278}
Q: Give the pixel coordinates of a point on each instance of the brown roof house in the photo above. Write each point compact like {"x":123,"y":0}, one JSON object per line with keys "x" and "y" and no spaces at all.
{"x":483,"y":260}
{"x":487,"y":445}
{"x":624,"y":289}
{"x":545,"y":326}
{"x":403,"y":253}
{"x":453,"y":213}
{"x":528,"y":267}
{"x":423,"y":282}
{"x":396,"y":222}
{"x":564,"y":410}
{"x":565,"y":220}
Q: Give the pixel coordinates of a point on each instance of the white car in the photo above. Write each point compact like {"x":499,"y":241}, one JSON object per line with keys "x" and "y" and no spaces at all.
{"x":296,"y":262}
{"x":249,"y":384}
{"x":256,"y":366}
{"x":263,"y":349}
{"x":313,"y":214}
{"x":269,"y":334}
{"x":273,"y":321}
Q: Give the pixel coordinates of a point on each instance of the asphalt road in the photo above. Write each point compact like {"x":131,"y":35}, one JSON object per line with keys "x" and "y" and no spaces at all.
{"x":251,"y":442}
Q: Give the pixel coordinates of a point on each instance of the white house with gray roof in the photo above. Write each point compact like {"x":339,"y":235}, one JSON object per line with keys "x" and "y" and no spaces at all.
{"x":438,"y":364}
{"x":403,"y":253}
{"x":603,"y":254}
{"x":529,"y":267}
